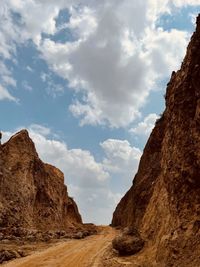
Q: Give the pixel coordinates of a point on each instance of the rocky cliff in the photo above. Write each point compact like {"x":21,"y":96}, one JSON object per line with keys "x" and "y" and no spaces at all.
{"x":163,"y":203}
{"x":32,"y":193}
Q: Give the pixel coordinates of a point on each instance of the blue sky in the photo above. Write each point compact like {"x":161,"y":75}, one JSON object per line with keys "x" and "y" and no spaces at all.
{"x":87,"y":79}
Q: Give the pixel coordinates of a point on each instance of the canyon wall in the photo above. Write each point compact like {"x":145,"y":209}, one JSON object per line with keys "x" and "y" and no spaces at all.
{"x":163,"y":203}
{"x":32,"y":193}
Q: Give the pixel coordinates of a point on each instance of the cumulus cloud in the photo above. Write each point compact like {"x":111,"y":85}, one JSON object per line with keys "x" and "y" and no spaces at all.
{"x":79,"y":165}
{"x":172,"y":43}
{"x":97,"y":204}
{"x":121,"y":161}
{"x":145,"y":127}
{"x":121,"y":157}
{"x":118,"y":62}
{"x":115,"y":57}
{"x":88,"y":180}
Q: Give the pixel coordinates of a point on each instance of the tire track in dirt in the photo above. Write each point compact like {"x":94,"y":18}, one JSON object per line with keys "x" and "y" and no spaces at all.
{"x":74,"y":253}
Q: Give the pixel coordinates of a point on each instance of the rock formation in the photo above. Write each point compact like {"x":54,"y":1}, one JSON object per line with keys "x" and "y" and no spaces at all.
{"x":128,"y":242}
{"x":32,"y":193}
{"x":163,"y":203}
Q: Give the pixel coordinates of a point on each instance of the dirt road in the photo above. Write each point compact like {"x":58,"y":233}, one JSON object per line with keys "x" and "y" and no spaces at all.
{"x":74,"y":253}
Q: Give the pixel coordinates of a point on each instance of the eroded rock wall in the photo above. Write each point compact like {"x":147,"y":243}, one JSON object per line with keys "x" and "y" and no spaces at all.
{"x":32,"y":193}
{"x":164,"y":200}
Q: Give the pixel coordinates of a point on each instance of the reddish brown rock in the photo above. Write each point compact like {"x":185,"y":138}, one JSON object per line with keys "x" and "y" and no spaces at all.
{"x":163,"y":203}
{"x":128,"y":242}
{"x":32,"y":193}
{"x":7,"y":255}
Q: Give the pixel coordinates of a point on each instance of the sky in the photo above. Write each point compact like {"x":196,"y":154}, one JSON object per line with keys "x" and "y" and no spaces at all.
{"x":87,"y":79}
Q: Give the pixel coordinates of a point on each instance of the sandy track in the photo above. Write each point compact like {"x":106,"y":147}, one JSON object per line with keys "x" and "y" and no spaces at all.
{"x":75,"y":253}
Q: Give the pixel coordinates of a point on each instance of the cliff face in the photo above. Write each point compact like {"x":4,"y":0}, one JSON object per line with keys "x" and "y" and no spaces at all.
{"x":32,"y":193}
{"x":164,"y":200}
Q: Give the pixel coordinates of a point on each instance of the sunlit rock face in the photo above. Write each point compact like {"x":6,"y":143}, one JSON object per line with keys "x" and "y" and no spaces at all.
{"x":32,"y":193}
{"x":163,"y":203}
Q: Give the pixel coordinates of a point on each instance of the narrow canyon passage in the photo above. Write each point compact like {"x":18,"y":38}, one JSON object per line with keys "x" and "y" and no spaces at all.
{"x":74,"y":253}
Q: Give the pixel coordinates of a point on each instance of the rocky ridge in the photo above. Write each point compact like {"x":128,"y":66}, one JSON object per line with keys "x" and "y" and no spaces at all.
{"x":163,"y":203}
{"x":35,"y":209}
{"x":32,"y":193}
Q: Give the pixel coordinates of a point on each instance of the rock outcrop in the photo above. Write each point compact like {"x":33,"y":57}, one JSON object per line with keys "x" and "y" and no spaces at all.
{"x":32,"y":194}
{"x":163,"y":203}
{"x":128,"y":242}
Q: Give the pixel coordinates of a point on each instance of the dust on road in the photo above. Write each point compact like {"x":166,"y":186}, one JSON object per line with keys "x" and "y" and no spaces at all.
{"x":75,"y":253}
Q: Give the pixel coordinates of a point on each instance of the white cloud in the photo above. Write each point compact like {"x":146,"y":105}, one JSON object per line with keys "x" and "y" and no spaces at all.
{"x":82,"y":22}
{"x":5,"y":136}
{"x":32,"y":26}
{"x":120,"y":156}
{"x":121,"y":161}
{"x":54,"y":89}
{"x":6,"y":81}
{"x":115,"y":58}
{"x":98,"y":202}
{"x":170,"y":43}
{"x":29,"y":69}
{"x":8,"y":32}
{"x":193,"y":17}
{"x":6,"y":75}
{"x":118,"y":62}
{"x":145,"y":127}
{"x":96,"y":65}
{"x":9,"y":35}
{"x":181,"y":3}
{"x":26,"y":86}
{"x":89,"y":182}
{"x":79,"y":166}
{"x":4,"y":94}
{"x":40,"y":129}
{"x":116,"y":55}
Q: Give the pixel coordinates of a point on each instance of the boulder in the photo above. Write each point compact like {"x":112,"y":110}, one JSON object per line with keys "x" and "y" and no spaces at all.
{"x":7,"y":255}
{"x":128,"y":242}
{"x":79,"y":235}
